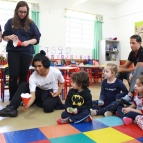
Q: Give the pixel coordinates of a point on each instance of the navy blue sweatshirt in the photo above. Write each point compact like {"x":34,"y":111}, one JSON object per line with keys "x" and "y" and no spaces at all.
{"x":110,"y":90}
{"x":80,"y":100}
{"x":32,"y":33}
{"x":0,"y":28}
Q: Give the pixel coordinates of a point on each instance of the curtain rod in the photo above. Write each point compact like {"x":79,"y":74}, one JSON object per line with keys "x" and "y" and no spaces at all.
{"x":18,"y":1}
{"x":82,"y":11}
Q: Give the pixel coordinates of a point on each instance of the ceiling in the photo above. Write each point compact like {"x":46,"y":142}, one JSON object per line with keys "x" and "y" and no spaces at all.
{"x":111,"y":2}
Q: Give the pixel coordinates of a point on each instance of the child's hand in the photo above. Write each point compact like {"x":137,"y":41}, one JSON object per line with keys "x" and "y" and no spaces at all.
{"x":75,"y":111}
{"x":69,"y":110}
{"x":101,"y":103}
{"x":126,"y":110}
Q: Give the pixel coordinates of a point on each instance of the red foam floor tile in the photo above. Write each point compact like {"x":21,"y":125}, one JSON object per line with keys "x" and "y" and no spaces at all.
{"x":132,"y":130}
{"x":41,"y":141}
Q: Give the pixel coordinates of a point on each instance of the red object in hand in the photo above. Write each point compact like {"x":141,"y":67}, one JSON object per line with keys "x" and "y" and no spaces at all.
{"x":25,"y":98}
{"x":17,"y":43}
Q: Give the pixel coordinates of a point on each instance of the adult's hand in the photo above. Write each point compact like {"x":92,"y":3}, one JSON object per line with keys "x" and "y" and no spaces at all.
{"x":130,"y":77}
{"x":54,"y":94}
{"x":12,"y":37}
{"x":25,"y":108}
{"x":120,"y":69}
{"x":25,"y":43}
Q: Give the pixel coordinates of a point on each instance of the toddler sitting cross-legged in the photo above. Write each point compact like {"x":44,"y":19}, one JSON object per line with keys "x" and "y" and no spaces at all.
{"x":78,"y":101}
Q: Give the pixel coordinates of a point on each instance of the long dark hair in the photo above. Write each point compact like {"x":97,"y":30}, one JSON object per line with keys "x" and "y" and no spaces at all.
{"x":16,"y":22}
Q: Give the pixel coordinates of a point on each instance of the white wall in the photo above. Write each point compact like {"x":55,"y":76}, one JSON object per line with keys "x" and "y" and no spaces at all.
{"x":53,"y":23}
{"x":125,"y":15}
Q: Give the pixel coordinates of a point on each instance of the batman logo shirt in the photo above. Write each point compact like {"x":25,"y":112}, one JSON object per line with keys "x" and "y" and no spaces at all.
{"x":77,"y":100}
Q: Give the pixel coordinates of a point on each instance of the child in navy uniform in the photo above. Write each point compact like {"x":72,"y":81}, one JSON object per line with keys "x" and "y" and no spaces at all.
{"x":110,"y":93}
{"x":78,"y":101}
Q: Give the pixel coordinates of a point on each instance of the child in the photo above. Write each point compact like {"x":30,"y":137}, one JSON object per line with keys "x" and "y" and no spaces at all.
{"x":139,"y":121}
{"x":129,"y":114}
{"x":110,"y":93}
{"x":132,"y":78}
{"x":78,"y":101}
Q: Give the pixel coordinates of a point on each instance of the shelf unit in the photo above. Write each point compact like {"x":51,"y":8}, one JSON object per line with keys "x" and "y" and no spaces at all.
{"x":106,"y":47}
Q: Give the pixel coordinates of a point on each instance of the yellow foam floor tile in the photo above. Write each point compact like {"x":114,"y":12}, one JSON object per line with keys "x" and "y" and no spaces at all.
{"x":108,"y":135}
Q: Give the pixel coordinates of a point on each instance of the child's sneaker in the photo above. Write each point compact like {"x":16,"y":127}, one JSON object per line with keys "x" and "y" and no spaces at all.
{"x":127,"y":120}
{"x":61,"y":121}
{"x":126,"y":100}
{"x":89,"y":119}
{"x":93,"y":112}
{"x":108,"y":113}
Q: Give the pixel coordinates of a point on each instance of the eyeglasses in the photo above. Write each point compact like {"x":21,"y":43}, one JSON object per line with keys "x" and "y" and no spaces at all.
{"x":22,"y":12}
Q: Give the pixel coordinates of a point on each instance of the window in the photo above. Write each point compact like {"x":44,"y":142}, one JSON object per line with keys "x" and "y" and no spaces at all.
{"x":6,"y":12}
{"x":79,"y":29}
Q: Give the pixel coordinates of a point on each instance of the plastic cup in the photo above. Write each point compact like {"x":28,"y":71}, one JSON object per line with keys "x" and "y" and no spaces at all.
{"x":25,"y":98}
{"x":17,"y":43}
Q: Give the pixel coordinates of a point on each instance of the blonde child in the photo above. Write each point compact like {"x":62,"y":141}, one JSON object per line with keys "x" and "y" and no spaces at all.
{"x":110,"y":94}
{"x":129,"y":114}
{"x":78,"y":101}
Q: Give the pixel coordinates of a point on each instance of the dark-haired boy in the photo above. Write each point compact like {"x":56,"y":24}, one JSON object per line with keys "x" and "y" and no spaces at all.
{"x":78,"y":101}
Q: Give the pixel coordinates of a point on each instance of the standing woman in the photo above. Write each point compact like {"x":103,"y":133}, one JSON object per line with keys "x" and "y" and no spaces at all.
{"x":0,"y":34}
{"x":19,"y":58}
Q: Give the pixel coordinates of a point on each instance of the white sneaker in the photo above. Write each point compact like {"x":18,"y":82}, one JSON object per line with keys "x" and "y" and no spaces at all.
{"x":93,"y":112}
{"x":108,"y":113}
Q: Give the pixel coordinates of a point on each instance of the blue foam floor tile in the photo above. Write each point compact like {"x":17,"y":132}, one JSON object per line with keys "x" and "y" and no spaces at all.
{"x":77,"y":138}
{"x":140,"y":139}
{"x":111,"y":121}
{"x":24,"y":136}
{"x":84,"y":127}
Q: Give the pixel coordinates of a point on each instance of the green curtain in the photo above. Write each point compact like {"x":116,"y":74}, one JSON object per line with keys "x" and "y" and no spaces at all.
{"x":35,"y":18}
{"x":97,"y":38}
